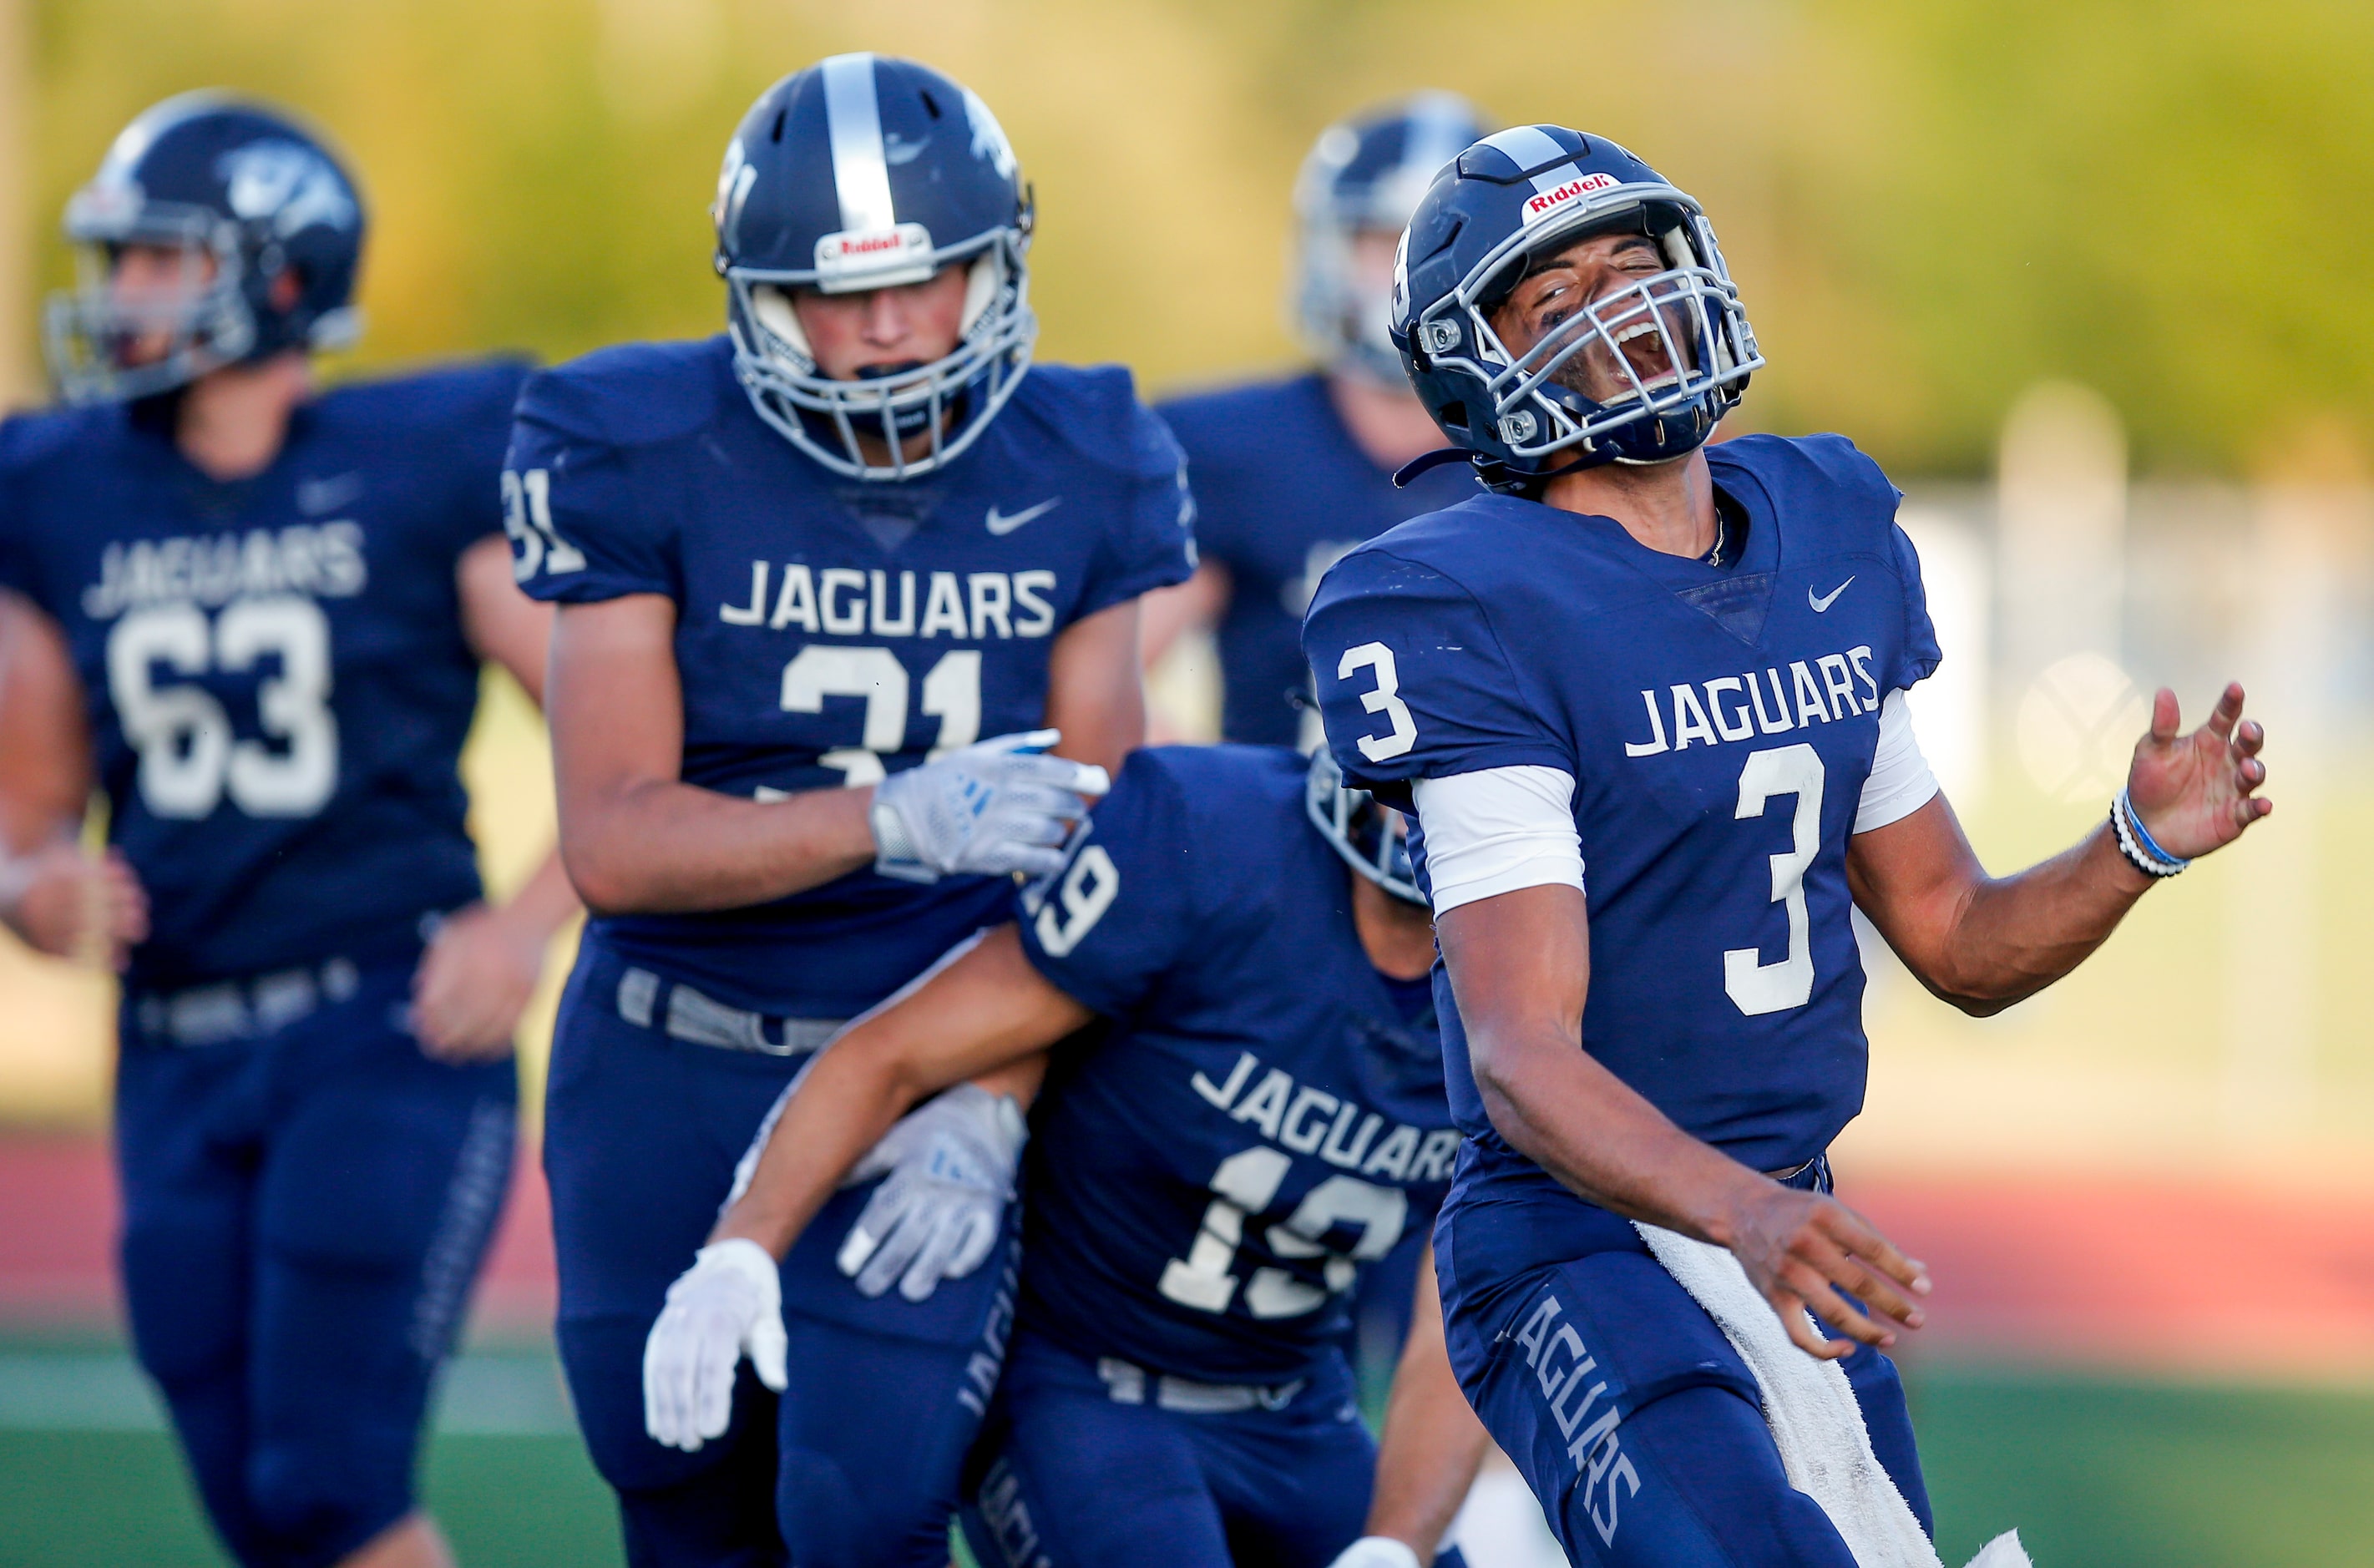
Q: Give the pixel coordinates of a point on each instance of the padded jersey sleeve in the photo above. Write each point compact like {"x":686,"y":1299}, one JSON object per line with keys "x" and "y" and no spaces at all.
{"x":582,"y":530}
{"x":1218,"y":524}
{"x":1153,"y":542}
{"x":1853,"y":470}
{"x":1120,"y":913}
{"x":1413,"y":680}
{"x":1922,"y":655}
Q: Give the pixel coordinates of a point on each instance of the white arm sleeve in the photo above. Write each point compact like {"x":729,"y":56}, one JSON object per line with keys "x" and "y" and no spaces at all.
{"x":1496,"y":831}
{"x":1900,"y":782}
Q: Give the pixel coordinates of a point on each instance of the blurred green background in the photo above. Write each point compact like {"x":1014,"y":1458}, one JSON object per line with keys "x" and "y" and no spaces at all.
{"x":1929,"y":205}
{"x":1932,"y":208}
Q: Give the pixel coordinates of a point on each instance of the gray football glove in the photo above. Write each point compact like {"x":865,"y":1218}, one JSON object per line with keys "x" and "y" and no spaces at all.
{"x":951,"y":1162}
{"x":997,"y":806}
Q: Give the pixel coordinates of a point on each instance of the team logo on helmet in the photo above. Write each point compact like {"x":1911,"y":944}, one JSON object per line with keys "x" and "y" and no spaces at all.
{"x":292,"y":185}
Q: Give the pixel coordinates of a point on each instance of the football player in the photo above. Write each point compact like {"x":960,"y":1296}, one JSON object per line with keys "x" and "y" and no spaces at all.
{"x":1682,"y":669}
{"x":804,"y":568}
{"x":1260,"y":1122}
{"x":1290,"y":474}
{"x":254,"y":613}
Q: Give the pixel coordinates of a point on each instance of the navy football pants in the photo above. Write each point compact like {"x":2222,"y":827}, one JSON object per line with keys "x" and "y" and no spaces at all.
{"x":1634,"y":1423}
{"x":303,"y":1214}
{"x":858,"y":1463}
{"x":1070,"y":1478}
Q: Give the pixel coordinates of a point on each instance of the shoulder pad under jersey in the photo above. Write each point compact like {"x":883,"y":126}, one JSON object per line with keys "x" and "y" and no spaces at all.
{"x":1093,"y":410}
{"x":631,"y":394}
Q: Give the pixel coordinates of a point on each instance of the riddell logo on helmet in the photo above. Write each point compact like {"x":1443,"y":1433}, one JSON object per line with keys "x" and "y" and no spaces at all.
{"x":1540,"y":206}
{"x":867,"y":251}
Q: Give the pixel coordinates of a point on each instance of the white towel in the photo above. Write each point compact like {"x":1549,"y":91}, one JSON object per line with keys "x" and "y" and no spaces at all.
{"x":1812,"y":1411}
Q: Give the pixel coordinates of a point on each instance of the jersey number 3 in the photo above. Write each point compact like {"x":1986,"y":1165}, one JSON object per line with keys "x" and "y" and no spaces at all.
{"x":187,"y":756}
{"x":1754,"y":986}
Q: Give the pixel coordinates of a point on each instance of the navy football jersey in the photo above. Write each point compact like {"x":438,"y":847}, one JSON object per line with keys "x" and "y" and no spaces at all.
{"x":1719,"y":723}
{"x":1261,"y":1121}
{"x":828,"y":630}
{"x":1281,"y":491}
{"x":274,"y":668}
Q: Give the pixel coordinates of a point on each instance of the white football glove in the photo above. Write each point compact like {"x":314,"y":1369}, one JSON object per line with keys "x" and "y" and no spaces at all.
{"x":1376,"y":1551}
{"x":951,"y":1162}
{"x":729,"y":1302}
{"x":997,"y":806}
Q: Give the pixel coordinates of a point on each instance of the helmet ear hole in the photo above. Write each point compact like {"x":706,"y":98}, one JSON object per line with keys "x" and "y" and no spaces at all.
{"x":772,"y":305}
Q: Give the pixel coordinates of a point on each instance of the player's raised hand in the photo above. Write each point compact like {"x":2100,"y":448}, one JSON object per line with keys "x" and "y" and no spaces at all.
{"x":997,"y":806}
{"x":728,"y":1302}
{"x":70,"y":904}
{"x":473,"y":983}
{"x":2196,"y":792}
{"x":1803,"y":1249}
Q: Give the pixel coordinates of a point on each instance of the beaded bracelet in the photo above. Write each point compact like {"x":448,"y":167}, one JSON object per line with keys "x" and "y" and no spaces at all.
{"x":2136,"y":843}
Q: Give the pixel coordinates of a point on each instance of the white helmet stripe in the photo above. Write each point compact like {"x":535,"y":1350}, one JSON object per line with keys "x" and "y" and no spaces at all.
{"x":861,"y":174}
{"x":1529,"y":145}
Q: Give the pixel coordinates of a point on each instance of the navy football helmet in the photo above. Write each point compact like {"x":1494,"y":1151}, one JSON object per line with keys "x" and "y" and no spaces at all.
{"x":863,"y":172}
{"x":246,"y":197}
{"x":1362,"y":830}
{"x":1366,"y":172}
{"x":1528,"y":192}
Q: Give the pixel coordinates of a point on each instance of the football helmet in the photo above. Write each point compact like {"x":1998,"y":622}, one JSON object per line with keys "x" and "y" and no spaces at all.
{"x":1361,"y":829}
{"x":246,"y":197}
{"x":1527,"y":192}
{"x":1366,"y":172}
{"x":860,"y":172}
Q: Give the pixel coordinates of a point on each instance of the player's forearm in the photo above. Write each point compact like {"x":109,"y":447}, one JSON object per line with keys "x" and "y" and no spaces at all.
{"x":831,"y":1115}
{"x":984,"y":1015}
{"x":1432,"y":1447}
{"x":1432,"y":1443}
{"x":659,"y":845}
{"x":1600,"y":1137}
{"x":544,"y":902}
{"x":2016,"y":935}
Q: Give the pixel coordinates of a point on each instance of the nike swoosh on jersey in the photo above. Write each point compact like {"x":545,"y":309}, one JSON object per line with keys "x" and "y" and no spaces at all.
{"x":1002,"y":524}
{"x":1821,"y":601}
{"x":315,"y":496}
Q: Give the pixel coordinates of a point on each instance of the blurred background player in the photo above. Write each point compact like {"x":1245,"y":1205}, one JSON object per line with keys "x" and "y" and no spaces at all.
{"x":803,"y":567}
{"x":1581,"y":672}
{"x":253,"y":614}
{"x":1210,"y":1179}
{"x":1289,"y":474}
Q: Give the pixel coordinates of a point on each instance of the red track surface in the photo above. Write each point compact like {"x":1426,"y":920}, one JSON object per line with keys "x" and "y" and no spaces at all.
{"x":2201,"y":1277}
{"x":58,"y":1225}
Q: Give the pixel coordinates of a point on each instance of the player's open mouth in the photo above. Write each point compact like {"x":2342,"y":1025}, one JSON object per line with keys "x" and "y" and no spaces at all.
{"x":1646,"y":358}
